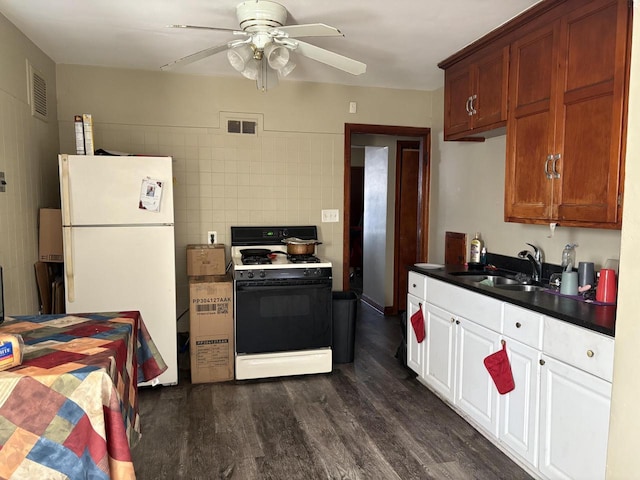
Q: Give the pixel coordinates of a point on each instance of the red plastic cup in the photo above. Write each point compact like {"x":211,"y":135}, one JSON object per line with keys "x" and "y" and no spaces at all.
{"x":606,"y":291}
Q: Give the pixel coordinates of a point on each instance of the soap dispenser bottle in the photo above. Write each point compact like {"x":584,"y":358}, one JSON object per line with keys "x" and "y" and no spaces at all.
{"x":476,"y":248}
{"x":569,"y":256}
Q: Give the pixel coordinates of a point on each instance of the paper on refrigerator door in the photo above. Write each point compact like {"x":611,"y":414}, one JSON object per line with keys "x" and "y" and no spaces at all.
{"x":150,"y":195}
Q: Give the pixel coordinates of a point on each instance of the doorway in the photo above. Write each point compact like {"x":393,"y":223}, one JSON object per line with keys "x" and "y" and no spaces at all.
{"x":419,"y":144}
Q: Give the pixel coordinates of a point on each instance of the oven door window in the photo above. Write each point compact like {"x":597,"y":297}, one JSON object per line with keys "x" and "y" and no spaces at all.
{"x":282,"y":317}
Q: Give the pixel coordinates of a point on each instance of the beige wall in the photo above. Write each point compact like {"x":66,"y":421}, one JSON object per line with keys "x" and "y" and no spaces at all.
{"x":292,"y":170}
{"x":28,"y":148}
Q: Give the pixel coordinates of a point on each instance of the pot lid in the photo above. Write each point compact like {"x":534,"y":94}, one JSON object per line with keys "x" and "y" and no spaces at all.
{"x":299,"y":241}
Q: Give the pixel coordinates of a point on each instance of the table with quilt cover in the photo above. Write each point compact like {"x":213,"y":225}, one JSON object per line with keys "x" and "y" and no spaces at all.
{"x":70,"y":411}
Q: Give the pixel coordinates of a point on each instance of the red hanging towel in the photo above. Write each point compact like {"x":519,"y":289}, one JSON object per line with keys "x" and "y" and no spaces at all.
{"x":500,"y":370}
{"x":417,"y":320}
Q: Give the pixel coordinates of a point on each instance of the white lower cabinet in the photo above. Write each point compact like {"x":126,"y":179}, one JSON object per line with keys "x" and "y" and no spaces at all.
{"x":574,"y":422}
{"x":439,"y":355}
{"x":415,"y":350}
{"x":475,"y":392}
{"x":556,"y":420}
{"x":518,"y":418}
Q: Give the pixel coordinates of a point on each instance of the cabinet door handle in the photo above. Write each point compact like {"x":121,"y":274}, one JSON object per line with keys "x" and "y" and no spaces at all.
{"x":473,"y":109}
{"x":546,"y":166}
{"x":414,"y":285}
{"x":468,"y":106}
{"x":453,"y":319}
{"x":518,"y":324}
{"x":554,"y":171}
{"x":590,"y":353}
{"x":541,"y":361}
{"x":457,"y":322}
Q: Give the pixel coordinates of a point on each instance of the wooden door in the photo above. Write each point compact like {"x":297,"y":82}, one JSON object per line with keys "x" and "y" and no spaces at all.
{"x":407,"y":213}
{"x":531,"y":127}
{"x":590,"y":117}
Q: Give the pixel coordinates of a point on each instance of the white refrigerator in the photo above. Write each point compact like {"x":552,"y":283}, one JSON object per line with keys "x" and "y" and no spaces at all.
{"x":119,"y":247}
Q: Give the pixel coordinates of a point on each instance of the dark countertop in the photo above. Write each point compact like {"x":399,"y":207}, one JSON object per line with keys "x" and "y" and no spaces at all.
{"x":599,"y":318}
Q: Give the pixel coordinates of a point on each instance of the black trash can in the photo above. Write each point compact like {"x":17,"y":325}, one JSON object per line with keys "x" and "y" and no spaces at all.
{"x":344,"y":326}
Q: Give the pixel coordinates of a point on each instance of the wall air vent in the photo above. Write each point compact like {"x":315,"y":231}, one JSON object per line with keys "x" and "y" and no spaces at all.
{"x":243,"y":127}
{"x":37,"y":93}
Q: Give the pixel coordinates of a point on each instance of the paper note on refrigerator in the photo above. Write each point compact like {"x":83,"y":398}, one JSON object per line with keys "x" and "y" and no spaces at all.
{"x":150,"y":195}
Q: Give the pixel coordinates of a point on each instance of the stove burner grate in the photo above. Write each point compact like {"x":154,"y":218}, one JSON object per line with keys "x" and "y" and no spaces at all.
{"x":255,"y":260}
{"x":303,"y":259}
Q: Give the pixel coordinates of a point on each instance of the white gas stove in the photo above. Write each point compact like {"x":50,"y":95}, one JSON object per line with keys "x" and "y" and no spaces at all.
{"x":283,"y":304}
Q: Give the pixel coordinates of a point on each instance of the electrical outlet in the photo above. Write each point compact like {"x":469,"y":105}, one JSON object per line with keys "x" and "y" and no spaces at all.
{"x":212,"y":237}
{"x":332,"y":215}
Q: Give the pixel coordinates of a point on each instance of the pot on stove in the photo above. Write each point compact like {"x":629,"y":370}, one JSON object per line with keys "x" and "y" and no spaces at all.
{"x":298,"y":246}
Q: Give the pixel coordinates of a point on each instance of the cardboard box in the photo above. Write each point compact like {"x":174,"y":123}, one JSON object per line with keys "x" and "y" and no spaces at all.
{"x":50,"y":242}
{"x":206,"y":260}
{"x":211,"y":344}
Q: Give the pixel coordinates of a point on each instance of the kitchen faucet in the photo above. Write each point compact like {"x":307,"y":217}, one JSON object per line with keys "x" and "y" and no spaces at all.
{"x":536,"y":260}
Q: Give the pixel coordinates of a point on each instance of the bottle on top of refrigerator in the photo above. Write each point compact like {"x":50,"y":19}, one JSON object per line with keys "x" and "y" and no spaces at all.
{"x":476,"y":248}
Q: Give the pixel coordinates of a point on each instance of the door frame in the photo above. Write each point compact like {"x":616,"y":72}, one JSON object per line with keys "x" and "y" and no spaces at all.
{"x":401,"y":145}
{"x":423,"y":135}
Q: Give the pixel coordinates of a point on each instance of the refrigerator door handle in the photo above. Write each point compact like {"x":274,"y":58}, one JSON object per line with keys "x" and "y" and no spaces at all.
{"x":64,"y":187}
{"x":66,"y":222}
{"x":68,"y":263}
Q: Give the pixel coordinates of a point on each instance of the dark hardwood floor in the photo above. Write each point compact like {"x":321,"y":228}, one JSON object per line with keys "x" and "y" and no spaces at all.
{"x":370,"y":419}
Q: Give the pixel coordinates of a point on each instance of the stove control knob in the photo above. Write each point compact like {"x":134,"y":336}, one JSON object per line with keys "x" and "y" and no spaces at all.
{"x":262,"y":274}
{"x":306,"y":272}
{"x":250,"y":274}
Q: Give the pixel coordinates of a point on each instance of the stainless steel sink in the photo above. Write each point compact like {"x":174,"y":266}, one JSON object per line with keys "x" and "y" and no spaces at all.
{"x":498,"y":281}
{"x":489,"y":280}
{"x":521,"y":288}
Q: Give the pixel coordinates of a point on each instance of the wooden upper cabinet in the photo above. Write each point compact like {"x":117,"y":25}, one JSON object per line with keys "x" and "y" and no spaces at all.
{"x":531,"y":126}
{"x":476,"y":94}
{"x":565,"y":135}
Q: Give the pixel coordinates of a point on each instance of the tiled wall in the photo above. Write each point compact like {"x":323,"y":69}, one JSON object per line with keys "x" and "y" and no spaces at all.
{"x":226,"y":179}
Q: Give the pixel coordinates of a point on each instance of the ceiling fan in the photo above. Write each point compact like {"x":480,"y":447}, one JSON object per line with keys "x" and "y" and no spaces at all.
{"x":263,"y":49}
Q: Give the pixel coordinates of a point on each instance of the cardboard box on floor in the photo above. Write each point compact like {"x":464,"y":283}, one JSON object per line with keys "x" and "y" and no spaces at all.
{"x":50,"y":235}
{"x":211,"y":343}
{"x":205,"y":260}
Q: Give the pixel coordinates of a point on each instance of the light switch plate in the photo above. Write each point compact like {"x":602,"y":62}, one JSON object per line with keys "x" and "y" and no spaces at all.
{"x":332,"y":216}
{"x":212,"y":237}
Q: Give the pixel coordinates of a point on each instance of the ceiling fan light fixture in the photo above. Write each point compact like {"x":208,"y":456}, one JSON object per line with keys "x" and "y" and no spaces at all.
{"x":287,"y":69}
{"x":251,"y":69}
{"x":277,"y":56}
{"x":239,"y":57}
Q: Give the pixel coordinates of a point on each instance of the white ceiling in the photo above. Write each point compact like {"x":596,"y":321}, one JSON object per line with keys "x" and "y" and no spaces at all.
{"x":401,"y":41}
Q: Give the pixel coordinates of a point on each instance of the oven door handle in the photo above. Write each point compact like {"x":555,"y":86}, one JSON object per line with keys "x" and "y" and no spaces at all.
{"x":264,"y":285}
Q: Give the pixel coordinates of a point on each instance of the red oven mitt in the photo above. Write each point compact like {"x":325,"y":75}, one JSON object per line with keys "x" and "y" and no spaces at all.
{"x":417,"y":321}
{"x":500,"y":370}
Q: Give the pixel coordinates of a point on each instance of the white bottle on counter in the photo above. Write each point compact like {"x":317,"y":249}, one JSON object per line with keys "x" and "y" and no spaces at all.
{"x":476,"y":249}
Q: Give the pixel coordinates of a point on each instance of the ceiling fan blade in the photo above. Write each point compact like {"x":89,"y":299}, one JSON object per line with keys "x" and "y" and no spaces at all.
{"x":310,"y":30}
{"x":332,"y":59}
{"x":194,"y":57}
{"x":198,"y":27}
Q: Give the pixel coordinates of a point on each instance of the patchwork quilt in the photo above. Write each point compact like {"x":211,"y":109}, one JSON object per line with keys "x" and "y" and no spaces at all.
{"x":70,"y":411}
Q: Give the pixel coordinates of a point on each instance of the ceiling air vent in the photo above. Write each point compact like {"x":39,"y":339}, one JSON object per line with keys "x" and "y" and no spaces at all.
{"x":37,"y":93}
